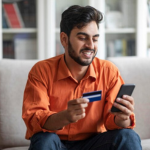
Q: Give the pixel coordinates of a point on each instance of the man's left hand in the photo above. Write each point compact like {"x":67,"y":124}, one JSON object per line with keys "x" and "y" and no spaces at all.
{"x":123,"y":118}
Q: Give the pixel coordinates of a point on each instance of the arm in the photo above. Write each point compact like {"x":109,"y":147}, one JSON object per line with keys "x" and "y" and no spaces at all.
{"x":38,"y":116}
{"x":114,"y":121}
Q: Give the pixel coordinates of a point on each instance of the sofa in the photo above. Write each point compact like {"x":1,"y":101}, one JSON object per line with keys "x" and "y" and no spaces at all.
{"x":13,"y":77}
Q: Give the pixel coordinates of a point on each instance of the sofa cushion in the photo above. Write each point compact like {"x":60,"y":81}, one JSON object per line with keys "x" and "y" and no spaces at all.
{"x":13,"y":77}
{"x":17,"y":148}
{"x":146,"y":144}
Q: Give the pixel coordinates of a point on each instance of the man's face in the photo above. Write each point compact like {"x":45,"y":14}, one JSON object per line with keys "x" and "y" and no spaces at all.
{"x":83,"y":43}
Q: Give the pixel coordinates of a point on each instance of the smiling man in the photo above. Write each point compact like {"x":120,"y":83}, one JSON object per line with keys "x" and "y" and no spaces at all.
{"x":55,"y":112}
{"x":86,"y":42}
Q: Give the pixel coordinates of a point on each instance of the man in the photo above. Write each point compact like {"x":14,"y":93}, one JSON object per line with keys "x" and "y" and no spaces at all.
{"x":56,"y":115}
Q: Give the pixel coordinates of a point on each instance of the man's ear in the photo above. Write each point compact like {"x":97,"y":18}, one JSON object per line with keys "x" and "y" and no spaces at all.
{"x":64,"y":39}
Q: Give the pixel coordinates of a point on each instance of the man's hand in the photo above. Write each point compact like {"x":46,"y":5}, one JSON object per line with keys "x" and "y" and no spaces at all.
{"x":76,"y":109}
{"x":74,"y":112}
{"x":122,"y":118}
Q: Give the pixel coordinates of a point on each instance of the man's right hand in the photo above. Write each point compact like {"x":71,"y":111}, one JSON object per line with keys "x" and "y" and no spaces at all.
{"x":74,"y":112}
{"x":76,"y":109}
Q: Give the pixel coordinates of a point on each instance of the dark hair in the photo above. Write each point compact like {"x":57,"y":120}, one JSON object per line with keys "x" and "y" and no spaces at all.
{"x":78,"y":16}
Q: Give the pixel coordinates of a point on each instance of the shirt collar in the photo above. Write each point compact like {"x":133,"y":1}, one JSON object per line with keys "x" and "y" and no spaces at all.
{"x":90,"y":72}
{"x":64,"y":72}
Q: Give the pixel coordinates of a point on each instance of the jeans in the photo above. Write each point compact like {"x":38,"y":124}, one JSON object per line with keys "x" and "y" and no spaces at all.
{"x":123,"y":139}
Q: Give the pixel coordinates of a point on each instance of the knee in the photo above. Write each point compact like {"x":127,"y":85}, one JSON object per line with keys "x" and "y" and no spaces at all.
{"x":128,"y":139}
{"x":46,"y":140}
{"x":129,"y":134}
{"x":50,"y":137}
{"x":45,"y":136}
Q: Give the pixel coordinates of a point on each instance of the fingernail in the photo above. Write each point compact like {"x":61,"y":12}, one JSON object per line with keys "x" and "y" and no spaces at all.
{"x":124,"y":96}
{"x":87,"y":100}
{"x":115,"y":104}
{"x":118,"y":99}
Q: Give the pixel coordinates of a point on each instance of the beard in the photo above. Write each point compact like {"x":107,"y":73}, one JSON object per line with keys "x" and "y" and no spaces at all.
{"x":77,"y":59}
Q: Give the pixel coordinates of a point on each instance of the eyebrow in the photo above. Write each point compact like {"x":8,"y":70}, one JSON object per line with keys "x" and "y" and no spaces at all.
{"x":83,"y":33}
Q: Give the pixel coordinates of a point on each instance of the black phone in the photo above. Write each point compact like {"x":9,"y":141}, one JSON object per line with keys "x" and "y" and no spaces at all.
{"x":125,"y":89}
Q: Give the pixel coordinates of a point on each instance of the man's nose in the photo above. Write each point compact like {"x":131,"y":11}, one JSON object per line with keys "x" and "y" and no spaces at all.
{"x":90,"y":44}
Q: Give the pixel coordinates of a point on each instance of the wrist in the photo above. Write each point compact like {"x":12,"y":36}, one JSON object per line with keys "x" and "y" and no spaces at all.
{"x":122,"y":122}
{"x":66,"y":118}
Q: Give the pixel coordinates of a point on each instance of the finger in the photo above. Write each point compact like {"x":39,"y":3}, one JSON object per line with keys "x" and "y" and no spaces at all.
{"x":76,"y":117}
{"x":75,"y":107}
{"x":80,"y":111}
{"x":79,"y":101}
{"x":122,"y":116}
{"x":123,"y":109}
{"x":81,"y":116}
{"x":126,"y":103}
{"x":128,"y":98}
{"x":82,"y":100}
{"x":80,"y":106}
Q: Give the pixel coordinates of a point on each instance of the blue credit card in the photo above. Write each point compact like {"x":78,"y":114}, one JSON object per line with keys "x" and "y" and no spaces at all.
{"x":93,"y":96}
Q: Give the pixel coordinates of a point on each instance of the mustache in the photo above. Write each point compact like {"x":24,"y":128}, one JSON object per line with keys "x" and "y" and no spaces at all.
{"x":93,"y":50}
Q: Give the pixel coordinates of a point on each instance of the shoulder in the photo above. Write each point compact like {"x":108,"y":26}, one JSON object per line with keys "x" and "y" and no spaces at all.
{"x":107,"y":72}
{"x":46,"y":65}
{"x":100,"y":64}
{"x":45,"y":69}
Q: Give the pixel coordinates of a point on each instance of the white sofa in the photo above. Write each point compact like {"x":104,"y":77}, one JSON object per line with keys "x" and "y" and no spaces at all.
{"x":13,"y":77}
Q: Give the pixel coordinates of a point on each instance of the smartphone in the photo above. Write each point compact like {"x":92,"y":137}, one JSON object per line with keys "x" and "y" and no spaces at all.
{"x":125,"y":89}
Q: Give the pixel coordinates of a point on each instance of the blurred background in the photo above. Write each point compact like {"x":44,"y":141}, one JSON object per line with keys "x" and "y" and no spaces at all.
{"x":30,"y":28}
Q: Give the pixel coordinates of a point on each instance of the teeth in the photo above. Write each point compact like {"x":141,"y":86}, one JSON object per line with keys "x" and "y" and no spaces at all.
{"x":88,"y":53}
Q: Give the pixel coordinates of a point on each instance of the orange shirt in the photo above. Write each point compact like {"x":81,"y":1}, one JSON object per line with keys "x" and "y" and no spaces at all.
{"x":50,"y":86}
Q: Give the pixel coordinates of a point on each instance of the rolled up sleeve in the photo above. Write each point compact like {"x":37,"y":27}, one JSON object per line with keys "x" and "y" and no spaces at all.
{"x":36,"y":105}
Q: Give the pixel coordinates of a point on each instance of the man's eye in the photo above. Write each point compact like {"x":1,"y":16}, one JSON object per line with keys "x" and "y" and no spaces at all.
{"x":95,"y":40}
{"x":82,"y":39}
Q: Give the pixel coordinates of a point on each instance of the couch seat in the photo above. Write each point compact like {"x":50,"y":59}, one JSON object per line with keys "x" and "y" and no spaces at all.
{"x":145,"y":144}
{"x":17,"y":148}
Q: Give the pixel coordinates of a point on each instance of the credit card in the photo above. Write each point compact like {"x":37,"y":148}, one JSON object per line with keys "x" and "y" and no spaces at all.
{"x":93,"y":96}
